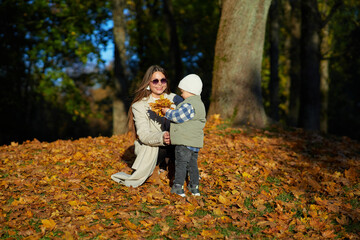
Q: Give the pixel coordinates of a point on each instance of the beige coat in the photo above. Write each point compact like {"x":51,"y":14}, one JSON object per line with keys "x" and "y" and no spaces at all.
{"x":150,"y":129}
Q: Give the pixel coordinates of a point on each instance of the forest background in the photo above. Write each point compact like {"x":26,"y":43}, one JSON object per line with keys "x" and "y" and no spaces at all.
{"x":54,"y":84}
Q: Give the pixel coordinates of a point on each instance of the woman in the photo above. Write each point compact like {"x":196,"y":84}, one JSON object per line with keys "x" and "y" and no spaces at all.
{"x":151,"y":130}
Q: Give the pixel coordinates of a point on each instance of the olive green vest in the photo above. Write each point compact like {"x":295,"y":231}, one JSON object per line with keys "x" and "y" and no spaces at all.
{"x":190,"y":133}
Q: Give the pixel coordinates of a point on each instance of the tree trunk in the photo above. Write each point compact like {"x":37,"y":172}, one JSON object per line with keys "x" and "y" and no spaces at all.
{"x":139,"y":10}
{"x":274,"y":60}
{"x":310,"y":66}
{"x":324,"y":64}
{"x":175,"y":57}
{"x":236,"y":87}
{"x":120,"y":96}
{"x":295,"y":63}
{"x":324,"y":80}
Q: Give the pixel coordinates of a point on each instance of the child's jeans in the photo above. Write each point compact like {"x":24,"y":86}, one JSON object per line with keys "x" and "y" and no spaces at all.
{"x":186,"y":160}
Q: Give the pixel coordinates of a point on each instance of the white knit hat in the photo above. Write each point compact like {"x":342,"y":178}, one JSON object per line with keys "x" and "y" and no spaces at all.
{"x":192,"y":84}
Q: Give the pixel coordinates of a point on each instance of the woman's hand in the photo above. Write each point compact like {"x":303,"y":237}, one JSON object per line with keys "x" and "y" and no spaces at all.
{"x":163,"y":110}
{"x":166,"y":138}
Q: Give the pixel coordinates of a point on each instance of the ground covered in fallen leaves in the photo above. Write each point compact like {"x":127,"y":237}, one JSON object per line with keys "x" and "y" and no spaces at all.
{"x":255,"y":184}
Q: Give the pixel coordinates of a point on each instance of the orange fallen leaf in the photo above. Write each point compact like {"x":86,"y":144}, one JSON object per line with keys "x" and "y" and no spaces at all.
{"x":328,"y":234}
{"x":184,"y":219}
{"x":266,"y":223}
{"x":29,"y":214}
{"x":351,"y":174}
{"x":213,"y":234}
{"x":130,"y":224}
{"x":110,"y":215}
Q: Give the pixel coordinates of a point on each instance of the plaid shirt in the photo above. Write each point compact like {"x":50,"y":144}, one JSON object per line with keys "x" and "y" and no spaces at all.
{"x":184,"y":113}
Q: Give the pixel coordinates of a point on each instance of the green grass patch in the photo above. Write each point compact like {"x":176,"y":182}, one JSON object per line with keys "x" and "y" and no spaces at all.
{"x":285,"y":197}
{"x":265,"y":188}
{"x":273,"y":180}
{"x":156,"y":229}
{"x":201,"y":213}
{"x":170,"y":221}
{"x":355,"y":203}
{"x":224,"y":231}
{"x":269,"y":208}
{"x":35,"y":224}
{"x":248,"y":203}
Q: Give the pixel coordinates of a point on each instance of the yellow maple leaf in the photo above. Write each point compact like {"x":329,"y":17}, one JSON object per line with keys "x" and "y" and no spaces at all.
{"x":48,"y":224}
{"x":74,"y":203}
{"x":223,"y":199}
{"x":68,"y":236}
{"x":246,"y":175}
{"x":84,"y":228}
{"x":160,"y":103}
{"x":218,"y":211}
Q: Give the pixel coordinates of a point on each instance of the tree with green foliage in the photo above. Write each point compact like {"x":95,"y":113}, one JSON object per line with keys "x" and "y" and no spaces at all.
{"x":41,"y":44}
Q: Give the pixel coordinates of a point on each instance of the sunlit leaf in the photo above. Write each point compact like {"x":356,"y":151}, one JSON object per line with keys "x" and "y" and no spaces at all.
{"x":48,"y":223}
{"x":160,"y":103}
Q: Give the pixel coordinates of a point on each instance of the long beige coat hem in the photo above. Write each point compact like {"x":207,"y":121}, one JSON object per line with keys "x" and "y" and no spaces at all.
{"x":144,"y":165}
{"x":150,"y":130}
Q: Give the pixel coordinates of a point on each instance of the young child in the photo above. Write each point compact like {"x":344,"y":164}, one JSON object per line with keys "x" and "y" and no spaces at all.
{"x":187,"y":134}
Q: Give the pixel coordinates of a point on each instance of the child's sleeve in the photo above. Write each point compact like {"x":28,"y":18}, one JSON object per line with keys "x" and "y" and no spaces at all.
{"x":184,"y":113}
{"x":177,"y":100}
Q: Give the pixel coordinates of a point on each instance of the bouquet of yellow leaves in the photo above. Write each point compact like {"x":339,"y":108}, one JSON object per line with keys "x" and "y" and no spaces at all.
{"x":160,"y":103}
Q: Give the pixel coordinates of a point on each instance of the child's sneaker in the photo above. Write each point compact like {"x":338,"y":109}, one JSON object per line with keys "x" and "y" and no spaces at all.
{"x":194,"y":190}
{"x":178,"y":189}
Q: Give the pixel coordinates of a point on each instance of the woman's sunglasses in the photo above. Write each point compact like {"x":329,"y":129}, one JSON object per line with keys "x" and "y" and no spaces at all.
{"x":156,"y":81}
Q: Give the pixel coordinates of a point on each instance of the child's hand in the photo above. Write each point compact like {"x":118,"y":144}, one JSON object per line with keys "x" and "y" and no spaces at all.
{"x":163,"y":110}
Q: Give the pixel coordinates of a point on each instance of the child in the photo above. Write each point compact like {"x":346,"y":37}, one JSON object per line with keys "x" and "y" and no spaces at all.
{"x":186,"y":133}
